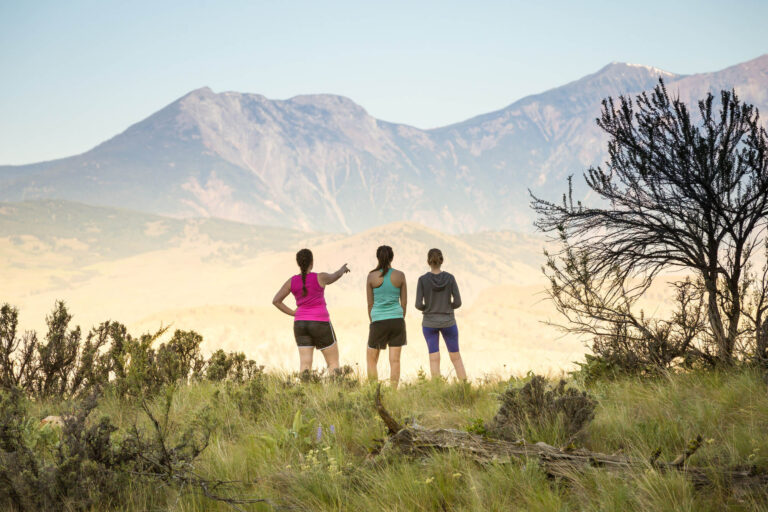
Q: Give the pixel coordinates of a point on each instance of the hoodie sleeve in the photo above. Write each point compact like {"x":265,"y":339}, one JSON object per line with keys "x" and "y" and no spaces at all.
{"x":455,"y":293}
{"x":420,"y":295}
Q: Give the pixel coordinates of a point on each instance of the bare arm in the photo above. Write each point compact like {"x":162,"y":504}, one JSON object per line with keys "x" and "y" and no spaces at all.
{"x":324,"y":279}
{"x":456,"y":303}
{"x":280,"y":296}
{"x":420,"y":296}
{"x":404,"y":296}
{"x":369,"y":295}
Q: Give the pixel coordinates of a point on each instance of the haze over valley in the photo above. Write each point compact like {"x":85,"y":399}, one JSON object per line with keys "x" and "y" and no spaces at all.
{"x":192,"y":216}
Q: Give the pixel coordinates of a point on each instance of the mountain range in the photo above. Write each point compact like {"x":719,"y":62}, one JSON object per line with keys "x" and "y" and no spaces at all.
{"x":322,"y":163}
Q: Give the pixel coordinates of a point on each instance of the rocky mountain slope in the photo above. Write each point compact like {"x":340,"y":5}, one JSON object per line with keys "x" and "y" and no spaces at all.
{"x":321,"y":163}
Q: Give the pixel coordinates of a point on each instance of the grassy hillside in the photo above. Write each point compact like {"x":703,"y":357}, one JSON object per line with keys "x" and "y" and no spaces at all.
{"x":266,"y":434}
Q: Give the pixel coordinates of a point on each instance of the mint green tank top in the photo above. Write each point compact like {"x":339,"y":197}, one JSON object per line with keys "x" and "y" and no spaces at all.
{"x":386,"y":300}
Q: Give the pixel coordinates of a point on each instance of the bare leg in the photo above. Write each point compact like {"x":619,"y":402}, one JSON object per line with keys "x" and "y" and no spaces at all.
{"x":331,"y":355}
{"x":372,"y":358}
{"x":394,"y":366}
{"x":434,"y":364}
{"x":458,"y":364}
{"x":305,"y":358}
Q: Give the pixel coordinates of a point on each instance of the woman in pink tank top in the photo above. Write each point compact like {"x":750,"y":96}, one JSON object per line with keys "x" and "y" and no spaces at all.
{"x":312,"y":325}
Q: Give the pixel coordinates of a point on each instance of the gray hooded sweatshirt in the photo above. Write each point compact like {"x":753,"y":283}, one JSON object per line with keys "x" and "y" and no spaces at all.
{"x":433,"y":297}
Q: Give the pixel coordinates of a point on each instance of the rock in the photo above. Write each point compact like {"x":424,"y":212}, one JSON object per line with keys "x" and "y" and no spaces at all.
{"x":52,"y":421}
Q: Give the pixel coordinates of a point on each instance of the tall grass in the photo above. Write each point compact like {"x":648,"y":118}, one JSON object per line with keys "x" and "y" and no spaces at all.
{"x":310,"y":446}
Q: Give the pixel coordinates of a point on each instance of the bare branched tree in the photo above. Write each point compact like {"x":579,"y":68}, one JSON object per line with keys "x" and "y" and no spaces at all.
{"x":680,"y":193}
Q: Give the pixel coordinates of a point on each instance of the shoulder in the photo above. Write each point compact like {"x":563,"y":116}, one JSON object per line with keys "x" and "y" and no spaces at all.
{"x":398,"y":277}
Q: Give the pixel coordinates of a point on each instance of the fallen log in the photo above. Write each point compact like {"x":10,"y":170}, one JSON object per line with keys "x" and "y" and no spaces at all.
{"x":414,"y":440}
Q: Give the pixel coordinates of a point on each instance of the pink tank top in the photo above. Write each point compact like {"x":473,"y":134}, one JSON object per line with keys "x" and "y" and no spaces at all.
{"x":312,"y":305}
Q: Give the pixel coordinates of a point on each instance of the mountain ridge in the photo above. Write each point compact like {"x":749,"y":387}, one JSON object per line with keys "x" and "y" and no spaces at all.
{"x":322,"y":162}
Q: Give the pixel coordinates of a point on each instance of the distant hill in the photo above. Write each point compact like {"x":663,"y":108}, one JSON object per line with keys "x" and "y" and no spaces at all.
{"x":218,"y":277}
{"x":321,"y":163}
{"x":89,"y":234}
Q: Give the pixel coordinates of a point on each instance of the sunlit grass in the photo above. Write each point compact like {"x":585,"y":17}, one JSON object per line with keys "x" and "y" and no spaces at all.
{"x":308,"y":446}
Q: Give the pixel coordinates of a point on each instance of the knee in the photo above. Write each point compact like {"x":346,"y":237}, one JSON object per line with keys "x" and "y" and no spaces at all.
{"x":455,"y":356}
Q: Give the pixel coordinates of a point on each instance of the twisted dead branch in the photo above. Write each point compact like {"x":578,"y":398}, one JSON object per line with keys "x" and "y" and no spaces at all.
{"x":417,"y":441}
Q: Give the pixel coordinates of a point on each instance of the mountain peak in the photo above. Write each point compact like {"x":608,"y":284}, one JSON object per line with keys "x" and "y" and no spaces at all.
{"x":617,"y":67}
{"x":204,"y":91}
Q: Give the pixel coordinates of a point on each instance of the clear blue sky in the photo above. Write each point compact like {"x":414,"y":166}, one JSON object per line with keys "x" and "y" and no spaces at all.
{"x":75,"y":73}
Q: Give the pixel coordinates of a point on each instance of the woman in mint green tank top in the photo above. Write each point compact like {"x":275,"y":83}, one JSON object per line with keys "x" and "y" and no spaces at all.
{"x":387,"y":297}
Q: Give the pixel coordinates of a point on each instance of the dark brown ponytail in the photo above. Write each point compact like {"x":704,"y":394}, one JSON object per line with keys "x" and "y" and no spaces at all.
{"x":304,"y":259}
{"x":385,"y":255}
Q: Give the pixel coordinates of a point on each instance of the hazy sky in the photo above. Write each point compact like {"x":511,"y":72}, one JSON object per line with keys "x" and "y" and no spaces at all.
{"x":75,"y":73}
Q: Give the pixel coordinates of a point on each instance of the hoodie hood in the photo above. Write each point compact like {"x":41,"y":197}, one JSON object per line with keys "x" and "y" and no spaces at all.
{"x":439,"y":281}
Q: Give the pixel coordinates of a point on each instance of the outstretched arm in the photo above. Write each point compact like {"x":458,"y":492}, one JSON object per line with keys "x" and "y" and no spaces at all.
{"x":420,"y":296}
{"x":280,"y":296}
{"x":324,"y":278}
{"x":456,"y":295}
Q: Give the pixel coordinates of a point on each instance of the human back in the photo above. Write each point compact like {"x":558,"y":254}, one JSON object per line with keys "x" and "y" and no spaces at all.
{"x":312,"y":327}
{"x":386,"y":296}
{"x":437,"y":296}
{"x":310,"y":298}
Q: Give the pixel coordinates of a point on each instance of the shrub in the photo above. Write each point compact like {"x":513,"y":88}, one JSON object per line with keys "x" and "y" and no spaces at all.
{"x":17,"y":354}
{"x":249,"y":397}
{"x":91,"y":464}
{"x":66,"y":366}
{"x":180,"y":358}
{"x":596,"y":368}
{"x":477,"y":426}
{"x":232,"y":366}
{"x":538,"y":407}
{"x":79,"y":473}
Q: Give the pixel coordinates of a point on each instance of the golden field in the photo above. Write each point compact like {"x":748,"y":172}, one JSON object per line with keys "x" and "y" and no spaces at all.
{"x":195,"y":278}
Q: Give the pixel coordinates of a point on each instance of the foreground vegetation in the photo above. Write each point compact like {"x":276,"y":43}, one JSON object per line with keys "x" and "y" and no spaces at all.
{"x":108,"y":421}
{"x":311,"y":445}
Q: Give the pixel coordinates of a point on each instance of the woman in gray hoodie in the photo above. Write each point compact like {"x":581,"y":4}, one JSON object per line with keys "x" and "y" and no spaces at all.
{"x":437,"y":295}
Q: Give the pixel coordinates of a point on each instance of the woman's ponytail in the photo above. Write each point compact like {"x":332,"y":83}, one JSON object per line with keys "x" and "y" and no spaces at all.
{"x":304,"y":259}
{"x":385,"y":255}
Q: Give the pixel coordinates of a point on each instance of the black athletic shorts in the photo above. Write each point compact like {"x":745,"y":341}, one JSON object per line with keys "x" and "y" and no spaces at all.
{"x":387,"y":332}
{"x":311,"y":333}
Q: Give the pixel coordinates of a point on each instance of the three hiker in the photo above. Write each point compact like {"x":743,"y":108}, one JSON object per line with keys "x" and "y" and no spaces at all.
{"x":437,"y":296}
